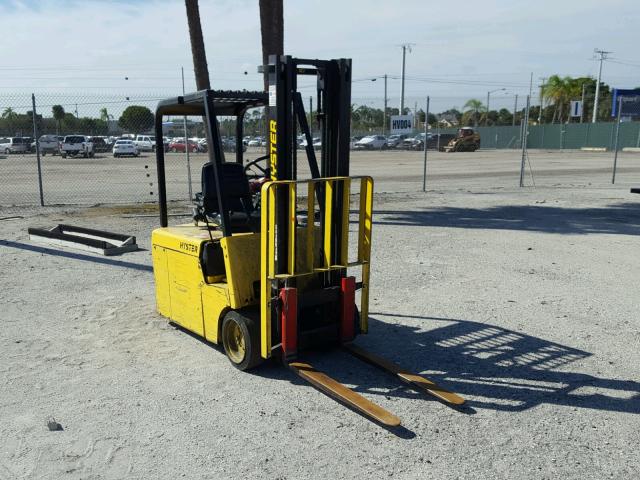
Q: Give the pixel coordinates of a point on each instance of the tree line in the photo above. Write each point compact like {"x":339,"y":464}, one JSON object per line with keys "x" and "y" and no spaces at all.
{"x":134,"y":119}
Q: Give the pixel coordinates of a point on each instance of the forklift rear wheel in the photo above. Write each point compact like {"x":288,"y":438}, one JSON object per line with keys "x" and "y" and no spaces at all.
{"x":241,"y":340}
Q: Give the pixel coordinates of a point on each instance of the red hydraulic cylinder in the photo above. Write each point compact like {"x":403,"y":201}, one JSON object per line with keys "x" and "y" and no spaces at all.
{"x":347,"y":309}
{"x":289,"y":321}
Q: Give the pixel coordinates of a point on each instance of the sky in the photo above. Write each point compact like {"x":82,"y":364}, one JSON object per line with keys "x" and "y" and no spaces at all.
{"x":459,"y":51}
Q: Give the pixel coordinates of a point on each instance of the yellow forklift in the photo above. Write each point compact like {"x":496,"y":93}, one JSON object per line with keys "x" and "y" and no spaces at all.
{"x":267,"y":268}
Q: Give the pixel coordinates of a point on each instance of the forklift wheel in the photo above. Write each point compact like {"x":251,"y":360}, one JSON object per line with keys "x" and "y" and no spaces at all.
{"x":241,"y":340}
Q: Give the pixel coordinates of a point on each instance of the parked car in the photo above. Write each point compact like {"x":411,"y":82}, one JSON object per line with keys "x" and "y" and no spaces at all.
{"x":48,"y":144}
{"x":228,"y":145}
{"x":255,"y":142}
{"x":353,"y":141}
{"x":125,"y":148}
{"x":30,"y":142}
{"x":395,"y":140}
{"x":180,"y":146}
{"x":75,"y":145}
{"x":316,"y":142}
{"x":372,"y":142}
{"x":100,"y":145}
{"x":417,"y":142}
{"x":145,"y":143}
{"x":14,"y":145}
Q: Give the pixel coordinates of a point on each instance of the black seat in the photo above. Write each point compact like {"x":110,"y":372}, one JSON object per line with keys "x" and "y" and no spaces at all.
{"x":235,"y":191}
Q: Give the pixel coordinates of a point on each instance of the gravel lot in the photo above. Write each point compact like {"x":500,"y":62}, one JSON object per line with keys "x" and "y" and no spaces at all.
{"x":105,"y":179}
{"x":523,"y":301}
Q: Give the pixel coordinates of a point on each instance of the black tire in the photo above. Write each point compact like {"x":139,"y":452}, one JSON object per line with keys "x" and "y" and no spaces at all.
{"x":236,"y":324}
{"x":63,"y":155}
{"x":173,"y":150}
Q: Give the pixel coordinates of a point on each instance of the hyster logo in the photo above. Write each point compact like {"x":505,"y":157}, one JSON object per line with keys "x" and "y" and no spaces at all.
{"x":188,"y":247}
{"x":273,"y":149}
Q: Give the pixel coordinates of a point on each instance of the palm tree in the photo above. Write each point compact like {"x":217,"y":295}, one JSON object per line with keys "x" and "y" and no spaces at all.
{"x":272,"y":30}
{"x":10,"y":116}
{"x":8,"y":113}
{"x":58,"y":114}
{"x":197,"y":46}
{"x":475,"y":106}
{"x":200,"y":67}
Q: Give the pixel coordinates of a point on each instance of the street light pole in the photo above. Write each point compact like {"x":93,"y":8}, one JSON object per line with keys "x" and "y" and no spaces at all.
{"x":486,"y":118}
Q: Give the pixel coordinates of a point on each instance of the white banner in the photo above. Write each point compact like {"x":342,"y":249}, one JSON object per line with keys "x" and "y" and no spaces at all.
{"x":401,"y":123}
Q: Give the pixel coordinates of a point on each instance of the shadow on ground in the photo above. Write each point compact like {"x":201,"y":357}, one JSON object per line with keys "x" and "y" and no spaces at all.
{"x":621,"y":218}
{"x":499,"y":369}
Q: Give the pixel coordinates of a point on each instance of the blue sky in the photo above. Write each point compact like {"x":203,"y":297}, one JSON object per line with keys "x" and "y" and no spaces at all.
{"x":137,"y":47}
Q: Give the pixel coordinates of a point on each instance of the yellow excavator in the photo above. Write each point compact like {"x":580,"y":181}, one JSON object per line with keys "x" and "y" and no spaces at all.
{"x":467,"y":140}
{"x":267,"y":268}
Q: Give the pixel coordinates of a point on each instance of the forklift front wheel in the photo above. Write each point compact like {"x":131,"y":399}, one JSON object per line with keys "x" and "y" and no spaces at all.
{"x":241,"y":340}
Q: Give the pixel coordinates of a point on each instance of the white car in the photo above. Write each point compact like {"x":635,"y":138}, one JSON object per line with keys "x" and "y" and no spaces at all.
{"x":48,"y":144}
{"x":145,"y":143}
{"x":14,"y":145}
{"x":76,"y":145}
{"x":125,"y":148}
{"x":256,"y":142}
{"x":372,"y":142}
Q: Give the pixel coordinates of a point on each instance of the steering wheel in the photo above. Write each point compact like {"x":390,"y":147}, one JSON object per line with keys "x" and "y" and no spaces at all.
{"x":263,"y":171}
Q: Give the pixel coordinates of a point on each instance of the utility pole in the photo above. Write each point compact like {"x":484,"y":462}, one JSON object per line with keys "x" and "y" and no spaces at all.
{"x":405,"y":47}
{"x":582,"y":101}
{"x":384,"y":117}
{"x":515,"y":109}
{"x":544,"y":81}
{"x":603,"y":56}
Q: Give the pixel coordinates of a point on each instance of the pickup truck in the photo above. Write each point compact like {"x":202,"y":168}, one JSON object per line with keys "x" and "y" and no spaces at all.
{"x":145,"y":143}
{"x":75,"y":145}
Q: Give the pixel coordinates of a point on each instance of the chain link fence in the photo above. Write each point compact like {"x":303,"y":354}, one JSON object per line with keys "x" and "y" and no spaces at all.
{"x":75,"y":174}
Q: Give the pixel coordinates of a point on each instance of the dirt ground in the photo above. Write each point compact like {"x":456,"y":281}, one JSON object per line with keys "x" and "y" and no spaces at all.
{"x":104,"y":179}
{"x":525,"y":302}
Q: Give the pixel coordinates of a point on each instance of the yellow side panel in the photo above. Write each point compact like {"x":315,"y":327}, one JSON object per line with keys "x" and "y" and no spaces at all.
{"x":242,"y":262}
{"x":215,"y":301}
{"x":185,"y":279}
{"x":161,"y":276}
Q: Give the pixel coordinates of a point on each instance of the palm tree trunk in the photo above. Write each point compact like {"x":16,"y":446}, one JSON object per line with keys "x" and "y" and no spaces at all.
{"x":272,"y":30}
{"x":200,"y":67}
{"x":197,"y":45}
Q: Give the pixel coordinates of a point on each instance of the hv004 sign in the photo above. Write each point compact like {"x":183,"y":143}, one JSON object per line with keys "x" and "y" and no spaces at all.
{"x":401,"y":123}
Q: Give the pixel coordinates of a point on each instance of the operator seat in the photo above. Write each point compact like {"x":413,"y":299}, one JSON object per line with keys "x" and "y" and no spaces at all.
{"x":236,"y":193}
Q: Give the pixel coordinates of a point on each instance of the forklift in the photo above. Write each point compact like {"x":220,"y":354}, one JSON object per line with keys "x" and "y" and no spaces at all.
{"x":266,"y":267}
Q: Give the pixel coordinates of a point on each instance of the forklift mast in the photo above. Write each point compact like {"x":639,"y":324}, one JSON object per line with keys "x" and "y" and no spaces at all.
{"x":285,"y":114}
